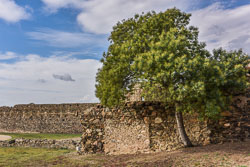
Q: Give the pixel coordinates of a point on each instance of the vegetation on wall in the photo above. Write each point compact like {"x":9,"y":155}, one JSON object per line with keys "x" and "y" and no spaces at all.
{"x":161,"y":52}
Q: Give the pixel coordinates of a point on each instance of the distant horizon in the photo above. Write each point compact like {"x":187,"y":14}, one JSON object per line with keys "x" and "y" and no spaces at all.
{"x":47,"y":104}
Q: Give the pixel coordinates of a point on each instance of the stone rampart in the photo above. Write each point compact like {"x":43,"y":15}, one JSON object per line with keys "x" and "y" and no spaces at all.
{"x":43,"y":118}
{"x":140,"y":127}
{"x":135,"y":127}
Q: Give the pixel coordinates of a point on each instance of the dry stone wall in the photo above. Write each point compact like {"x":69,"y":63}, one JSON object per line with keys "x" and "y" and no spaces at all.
{"x":93,"y":131}
{"x":147,"y":126}
{"x":235,"y":123}
{"x":43,"y":118}
{"x":135,"y":127}
{"x":41,"y":143}
{"x":125,"y":133}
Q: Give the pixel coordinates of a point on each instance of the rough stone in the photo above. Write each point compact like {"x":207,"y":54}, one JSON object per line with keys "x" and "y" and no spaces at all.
{"x":146,"y":120}
{"x":135,"y":128}
{"x":43,"y":118}
{"x":158,"y":120}
{"x":132,"y":128}
{"x":42,"y":143}
{"x":226,"y":114}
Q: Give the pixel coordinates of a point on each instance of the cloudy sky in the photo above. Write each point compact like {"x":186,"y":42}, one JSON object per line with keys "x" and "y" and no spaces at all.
{"x":50,"y":49}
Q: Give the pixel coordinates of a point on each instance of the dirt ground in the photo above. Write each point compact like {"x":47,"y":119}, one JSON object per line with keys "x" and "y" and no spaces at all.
{"x":220,"y":155}
{"x":224,"y":155}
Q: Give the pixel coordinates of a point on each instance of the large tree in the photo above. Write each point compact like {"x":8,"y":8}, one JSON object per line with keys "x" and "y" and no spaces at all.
{"x":162,"y":54}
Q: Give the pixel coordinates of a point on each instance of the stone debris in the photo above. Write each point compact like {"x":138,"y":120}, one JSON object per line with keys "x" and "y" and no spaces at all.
{"x":42,"y":143}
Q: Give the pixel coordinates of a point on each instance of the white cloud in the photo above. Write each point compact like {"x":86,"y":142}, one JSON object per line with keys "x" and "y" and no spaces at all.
{"x":11,"y":12}
{"x":64,"y":39}
{"x":54,"y":5}
{"x":218,"y":25}
{"x":8,"y":55}
{"x":31,"y":80}
{"x":99,"y":16}
{"x":227,"y":28}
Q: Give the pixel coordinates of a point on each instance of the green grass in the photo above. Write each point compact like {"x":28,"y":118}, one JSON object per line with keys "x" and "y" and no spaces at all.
{"x":18,"y":156}
{"x":40,"y":157}
{"x":41,"y":135}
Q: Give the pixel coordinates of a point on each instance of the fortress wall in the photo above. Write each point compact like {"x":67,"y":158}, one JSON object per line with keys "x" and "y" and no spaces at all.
{"x":43,"y":118}
{"x":138,"y":127}
{"x":135,"y":127}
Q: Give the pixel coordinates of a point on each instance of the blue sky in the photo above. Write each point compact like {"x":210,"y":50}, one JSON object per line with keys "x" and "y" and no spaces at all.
{"x":50,"y":49}
{"x":18,"y":37}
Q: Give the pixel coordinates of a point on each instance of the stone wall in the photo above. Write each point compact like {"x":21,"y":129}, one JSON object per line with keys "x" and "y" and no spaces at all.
{"x":135,"y":95}
{"x":235,"y":124}
{"x":93,"y":131}
{"x":147,"y":126}
{"x":43,"y":118}
{"x":125,"y":133}
{"x":135,"y":127}
{"x":41,"y":143}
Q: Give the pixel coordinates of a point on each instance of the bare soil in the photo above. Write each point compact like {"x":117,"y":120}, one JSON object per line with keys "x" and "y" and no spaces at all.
{"x":224,"y":155}
{"x":220,"y":155}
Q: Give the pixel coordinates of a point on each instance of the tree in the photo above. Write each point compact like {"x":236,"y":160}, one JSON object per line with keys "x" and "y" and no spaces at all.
{"x":162,"y":53}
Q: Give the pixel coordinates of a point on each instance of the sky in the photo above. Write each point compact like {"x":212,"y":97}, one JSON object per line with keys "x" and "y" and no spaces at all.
{"x":50,"y":49}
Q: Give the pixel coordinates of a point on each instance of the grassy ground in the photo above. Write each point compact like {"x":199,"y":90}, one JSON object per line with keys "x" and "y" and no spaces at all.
{"x":226,"y":155}
{"x":41,"y":157}
{"x":41,"y":135}
{"x":22,"y":157}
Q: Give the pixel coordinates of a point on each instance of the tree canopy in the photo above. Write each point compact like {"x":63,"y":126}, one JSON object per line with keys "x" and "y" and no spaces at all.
{"x":161,"y":52}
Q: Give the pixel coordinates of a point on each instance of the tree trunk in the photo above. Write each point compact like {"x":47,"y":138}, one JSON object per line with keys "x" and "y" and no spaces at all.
{"x":181,"y":129}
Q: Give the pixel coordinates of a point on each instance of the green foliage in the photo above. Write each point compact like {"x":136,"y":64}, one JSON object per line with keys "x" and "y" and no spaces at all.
{"x":162,"y":53}
{"x":128,"y":39}
{"x":224,"y":76}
